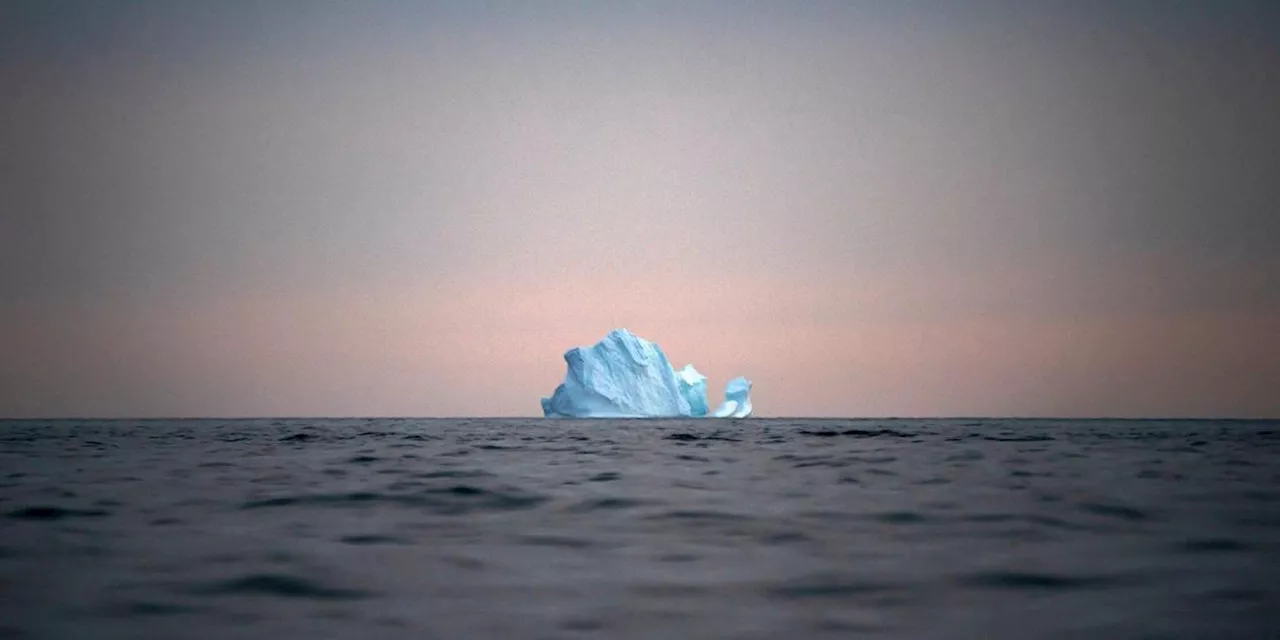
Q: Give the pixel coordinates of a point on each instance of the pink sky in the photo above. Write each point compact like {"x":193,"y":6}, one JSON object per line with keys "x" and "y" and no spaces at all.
{"x":868,"y":210}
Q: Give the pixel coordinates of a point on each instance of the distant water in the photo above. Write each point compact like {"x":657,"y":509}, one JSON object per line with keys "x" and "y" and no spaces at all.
{"x":639,"y":529}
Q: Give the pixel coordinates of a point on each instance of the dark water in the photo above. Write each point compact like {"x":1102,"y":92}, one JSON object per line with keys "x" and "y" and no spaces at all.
{"x":639,"y":529}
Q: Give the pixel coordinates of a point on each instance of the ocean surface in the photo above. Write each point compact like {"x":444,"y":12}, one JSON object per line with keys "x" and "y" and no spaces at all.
{"x":756,"y":528}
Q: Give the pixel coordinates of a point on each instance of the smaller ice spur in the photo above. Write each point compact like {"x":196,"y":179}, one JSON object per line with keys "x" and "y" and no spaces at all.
{"x":737,"y":399}
{"x":626,"y":376}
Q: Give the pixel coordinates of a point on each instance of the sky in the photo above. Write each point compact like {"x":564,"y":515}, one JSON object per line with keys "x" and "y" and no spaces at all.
{"x":298,"y":208}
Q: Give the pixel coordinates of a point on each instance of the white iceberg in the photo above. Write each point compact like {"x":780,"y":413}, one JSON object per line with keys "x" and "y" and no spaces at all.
{"x":622,"y":376}
{"x":626,"y":376}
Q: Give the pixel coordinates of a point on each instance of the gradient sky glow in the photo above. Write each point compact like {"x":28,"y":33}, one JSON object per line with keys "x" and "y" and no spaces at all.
{"x":870,"y":209}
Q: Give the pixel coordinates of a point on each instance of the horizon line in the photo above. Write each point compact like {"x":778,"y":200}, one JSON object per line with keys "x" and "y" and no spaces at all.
{"x":697,"y":418}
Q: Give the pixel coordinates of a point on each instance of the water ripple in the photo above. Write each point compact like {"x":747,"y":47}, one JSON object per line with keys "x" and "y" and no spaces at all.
{"x":54,"y":513}
{"x":278,"y":585}
{"x":855,"y":433}
{"x":455,"y":500}
{"x":1027,"y":580}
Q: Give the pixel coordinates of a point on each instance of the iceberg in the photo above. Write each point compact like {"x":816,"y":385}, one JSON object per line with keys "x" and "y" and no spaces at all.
{"x":622,"y":376}
{"x":626,"y":376}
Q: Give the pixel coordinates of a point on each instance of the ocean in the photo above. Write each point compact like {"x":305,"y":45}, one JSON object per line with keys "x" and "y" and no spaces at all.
{"x":533,"y":528}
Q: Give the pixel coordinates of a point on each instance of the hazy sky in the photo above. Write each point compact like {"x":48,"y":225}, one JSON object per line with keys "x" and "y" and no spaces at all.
{"x":870,"y":209}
